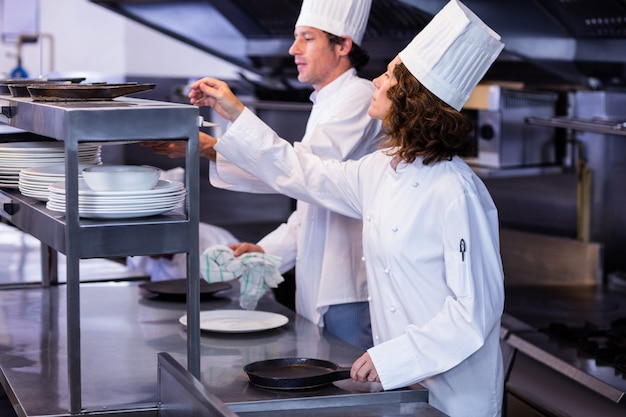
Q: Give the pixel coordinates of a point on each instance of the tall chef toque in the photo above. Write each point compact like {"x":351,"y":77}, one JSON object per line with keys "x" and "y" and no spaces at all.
{"x":452,"y":53}
{"x":337,"y":17}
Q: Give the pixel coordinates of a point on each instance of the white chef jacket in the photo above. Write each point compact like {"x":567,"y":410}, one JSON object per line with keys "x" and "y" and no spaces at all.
{"x":431,"y":246}
{"x":325,"y":247}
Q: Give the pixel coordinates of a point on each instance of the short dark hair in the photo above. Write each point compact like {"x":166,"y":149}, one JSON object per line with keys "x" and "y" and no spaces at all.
{"x":420,"y":124}
{"x":358,"y":56}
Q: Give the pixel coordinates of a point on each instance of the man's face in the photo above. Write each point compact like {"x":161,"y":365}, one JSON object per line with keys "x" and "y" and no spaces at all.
{"x":316,"y":58}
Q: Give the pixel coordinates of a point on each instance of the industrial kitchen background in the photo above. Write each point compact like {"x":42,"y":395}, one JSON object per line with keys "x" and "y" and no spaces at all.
{"x":550,"y":131}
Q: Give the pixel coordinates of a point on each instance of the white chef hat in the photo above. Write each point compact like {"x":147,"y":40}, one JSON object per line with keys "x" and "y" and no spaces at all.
{"x":452,"y":53}
{"x":337,"y":17}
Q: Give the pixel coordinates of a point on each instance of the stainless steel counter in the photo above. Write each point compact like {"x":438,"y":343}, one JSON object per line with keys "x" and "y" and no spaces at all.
{"x":123,"y":330}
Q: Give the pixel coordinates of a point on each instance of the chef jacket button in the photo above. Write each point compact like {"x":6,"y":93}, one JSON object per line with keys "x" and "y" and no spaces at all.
{"x":377,"y":337}
{"x":415,"y":184}
{"x":369,"y":298}
{"x":393,"y":309}
{"x":387,"y":271}
{"x":395,"y":229}
{"x":363,"y":258}
{"x":368,"y":218}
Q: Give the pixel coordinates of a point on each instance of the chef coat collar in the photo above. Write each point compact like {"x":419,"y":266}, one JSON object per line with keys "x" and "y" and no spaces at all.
{"x":333,"y":87}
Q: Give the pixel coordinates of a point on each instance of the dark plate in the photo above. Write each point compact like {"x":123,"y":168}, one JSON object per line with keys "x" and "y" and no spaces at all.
{"x":177,"y":288}
{"x":85,"y":92}
{"x":4,"y":83}
{"x":21,"y":90}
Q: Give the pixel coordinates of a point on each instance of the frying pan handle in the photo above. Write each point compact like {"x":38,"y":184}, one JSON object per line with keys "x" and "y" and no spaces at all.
{"x":341,"y":373}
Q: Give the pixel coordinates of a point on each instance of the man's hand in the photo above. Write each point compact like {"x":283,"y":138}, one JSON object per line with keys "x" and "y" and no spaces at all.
{"x":216,"y":94}
{"x":178,"y":149}
{"x":245,"y":247}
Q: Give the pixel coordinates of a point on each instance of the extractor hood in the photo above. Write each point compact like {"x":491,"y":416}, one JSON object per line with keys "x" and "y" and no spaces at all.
{"x":578,"y":42}
{"x":256,"y":34}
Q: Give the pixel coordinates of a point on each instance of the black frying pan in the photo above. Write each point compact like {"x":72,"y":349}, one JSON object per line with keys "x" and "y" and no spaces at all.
{"x":294,"y":373}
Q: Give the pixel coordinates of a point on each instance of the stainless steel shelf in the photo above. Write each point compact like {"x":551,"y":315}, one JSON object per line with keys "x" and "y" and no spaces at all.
{"x":107,"y":122}
{"x":100,"y":238}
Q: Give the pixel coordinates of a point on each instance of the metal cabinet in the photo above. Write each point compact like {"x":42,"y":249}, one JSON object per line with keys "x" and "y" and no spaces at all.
{"x":122,"y":120}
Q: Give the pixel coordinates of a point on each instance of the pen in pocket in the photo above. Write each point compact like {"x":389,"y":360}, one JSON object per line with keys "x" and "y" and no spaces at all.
{"x":462,"y":249}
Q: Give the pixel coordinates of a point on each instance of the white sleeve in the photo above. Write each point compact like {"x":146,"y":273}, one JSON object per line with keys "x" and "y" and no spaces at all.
{"x":340,"y":130}
{"x":282,"y":242}
{"x":300,"y":175}
{"x":224,"y":174}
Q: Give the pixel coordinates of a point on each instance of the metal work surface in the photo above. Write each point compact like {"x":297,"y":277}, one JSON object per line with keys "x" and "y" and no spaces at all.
{"x":181,"y":395}
{"x":124,"y":328}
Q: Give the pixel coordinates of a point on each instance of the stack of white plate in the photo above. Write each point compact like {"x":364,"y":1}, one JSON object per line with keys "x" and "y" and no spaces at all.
{"x":16,"y":156}
{"x":34,"y":182}
{"x":166,"y":196}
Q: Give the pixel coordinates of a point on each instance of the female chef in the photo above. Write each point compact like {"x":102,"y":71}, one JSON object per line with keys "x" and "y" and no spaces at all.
{"x":430,"y":227}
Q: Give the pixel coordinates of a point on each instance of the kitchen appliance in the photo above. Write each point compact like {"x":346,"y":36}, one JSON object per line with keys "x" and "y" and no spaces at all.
{"x":569,"y":351}
{"x":502,"y":137}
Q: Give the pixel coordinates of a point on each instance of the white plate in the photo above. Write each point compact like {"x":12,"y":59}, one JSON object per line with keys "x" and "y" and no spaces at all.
{"x":162,"y":187}
{"x":238,"y":321}
{"x":109,"y":200}
{"x":82,"y":208}
{"x":112,"y":215}
{"x":29,"y":147}
{"x":119,"y":206}
{"x":51,"y":171}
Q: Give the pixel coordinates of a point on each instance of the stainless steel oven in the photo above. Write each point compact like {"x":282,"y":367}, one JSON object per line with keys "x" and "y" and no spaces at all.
{"x":502,"y":137}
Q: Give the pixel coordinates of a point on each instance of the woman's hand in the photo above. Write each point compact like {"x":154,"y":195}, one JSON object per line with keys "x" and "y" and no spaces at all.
{"x":245,"y":247}
{"x":363,"y":370}
{"x":216,"y":94}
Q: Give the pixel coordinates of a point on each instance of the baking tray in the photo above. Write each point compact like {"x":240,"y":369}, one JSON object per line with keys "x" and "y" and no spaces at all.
{"x":86,"y":92}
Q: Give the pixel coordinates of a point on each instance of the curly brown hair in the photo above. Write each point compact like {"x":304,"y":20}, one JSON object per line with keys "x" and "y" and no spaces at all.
{"x":419,"y":124}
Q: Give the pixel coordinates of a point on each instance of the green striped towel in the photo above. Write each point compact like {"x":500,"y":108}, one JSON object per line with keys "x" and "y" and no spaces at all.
{"x":257,"y":272}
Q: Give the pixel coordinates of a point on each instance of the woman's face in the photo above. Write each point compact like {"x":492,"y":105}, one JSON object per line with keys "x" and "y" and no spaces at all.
{"x":380,"y":103}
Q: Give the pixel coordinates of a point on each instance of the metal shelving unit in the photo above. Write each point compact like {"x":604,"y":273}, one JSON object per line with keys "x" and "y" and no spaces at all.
{"x":107,"y":122}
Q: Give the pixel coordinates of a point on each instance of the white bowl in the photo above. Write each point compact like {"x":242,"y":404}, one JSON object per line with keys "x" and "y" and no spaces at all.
{"x":121,"y":177}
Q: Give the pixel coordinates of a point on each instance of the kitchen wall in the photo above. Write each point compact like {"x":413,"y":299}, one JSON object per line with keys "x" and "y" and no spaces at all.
{"x":92,"y":41}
